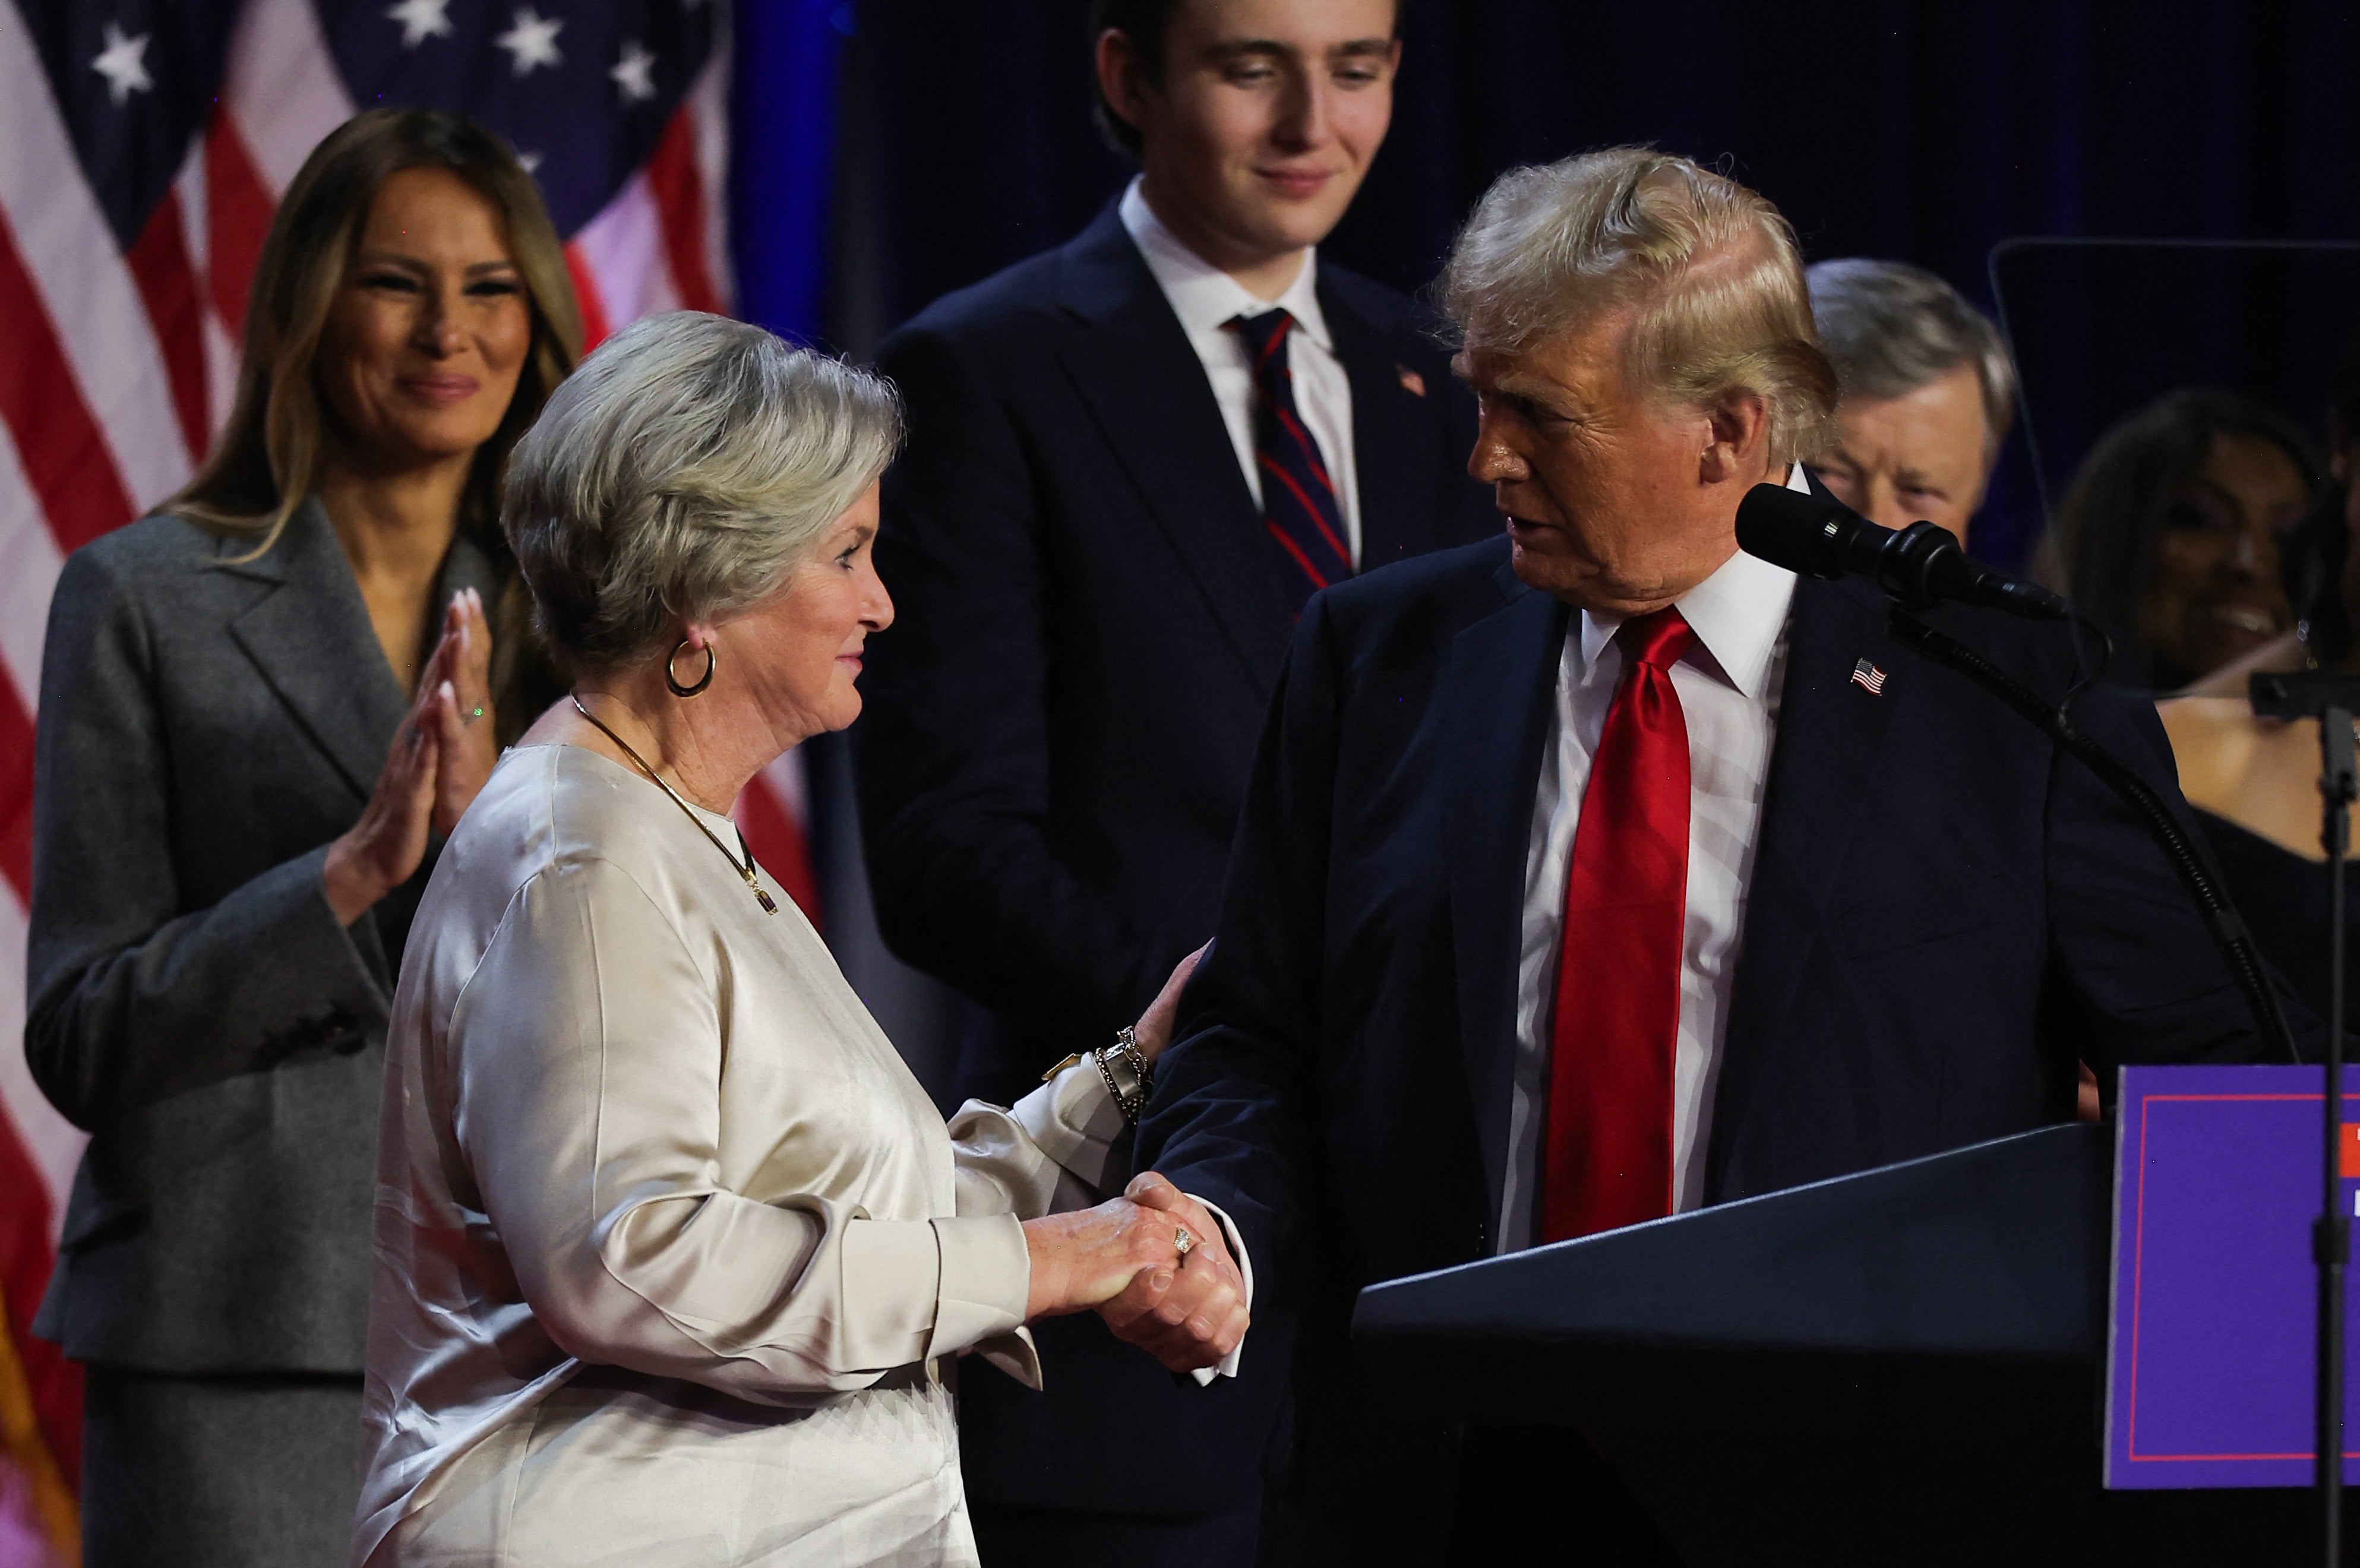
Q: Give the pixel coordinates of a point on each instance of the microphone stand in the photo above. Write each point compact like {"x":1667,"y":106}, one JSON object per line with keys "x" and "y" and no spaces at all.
{"x":2331,"y":700}
{"x":2221,"y":917}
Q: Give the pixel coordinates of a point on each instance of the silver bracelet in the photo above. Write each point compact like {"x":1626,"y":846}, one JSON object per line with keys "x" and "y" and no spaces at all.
{"x":1125,"y":1054}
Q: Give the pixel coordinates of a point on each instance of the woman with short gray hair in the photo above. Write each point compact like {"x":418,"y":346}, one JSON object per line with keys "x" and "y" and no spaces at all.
{"x":672,"y":1252}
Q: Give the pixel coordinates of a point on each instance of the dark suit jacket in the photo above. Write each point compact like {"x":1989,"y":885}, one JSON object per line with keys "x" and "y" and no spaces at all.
{"x":1058,"y":724}
{"x":1944,"y":914}
{"x":206,"y":728}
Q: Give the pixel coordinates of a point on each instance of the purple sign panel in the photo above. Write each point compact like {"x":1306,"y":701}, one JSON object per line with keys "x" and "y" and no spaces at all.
{"x":2209,"y":1368}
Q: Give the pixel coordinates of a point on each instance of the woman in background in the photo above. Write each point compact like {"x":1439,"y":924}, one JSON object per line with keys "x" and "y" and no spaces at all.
{"x":2254,"y":782}
{"x":260,"y":709}
{"x":2169,"y":534}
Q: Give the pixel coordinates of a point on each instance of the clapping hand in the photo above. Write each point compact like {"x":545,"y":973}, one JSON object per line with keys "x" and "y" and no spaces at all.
{"x":440,"y":755}
{"x":462,"y":660}
{"x":1190,"y":1313}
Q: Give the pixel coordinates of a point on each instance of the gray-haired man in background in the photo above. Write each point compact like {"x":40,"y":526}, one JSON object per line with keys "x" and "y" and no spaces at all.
{"x":1927,"y":393}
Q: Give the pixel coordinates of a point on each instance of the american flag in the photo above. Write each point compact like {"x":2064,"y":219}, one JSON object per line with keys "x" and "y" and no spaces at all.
{"x":1868,"y":678}
{"x":143,"y":146}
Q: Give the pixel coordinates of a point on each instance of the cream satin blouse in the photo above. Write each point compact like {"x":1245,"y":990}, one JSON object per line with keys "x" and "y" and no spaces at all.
{"x":670,"y":1244}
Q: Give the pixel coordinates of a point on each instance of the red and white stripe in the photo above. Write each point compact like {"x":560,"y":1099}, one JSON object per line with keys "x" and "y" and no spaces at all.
{"x":121,"y":367}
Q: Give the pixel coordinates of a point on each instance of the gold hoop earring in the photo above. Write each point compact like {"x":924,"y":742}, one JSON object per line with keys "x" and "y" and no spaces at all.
{"x":672,"y":681}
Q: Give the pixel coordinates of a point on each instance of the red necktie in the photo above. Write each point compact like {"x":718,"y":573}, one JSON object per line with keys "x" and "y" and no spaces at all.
{"x":1607,"y":1158}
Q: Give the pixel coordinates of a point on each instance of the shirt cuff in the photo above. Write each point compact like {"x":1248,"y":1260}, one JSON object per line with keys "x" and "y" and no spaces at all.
{"x":985,"y":1277}
{"x":1245,"y":1260}
{"x":1073,"y":1121}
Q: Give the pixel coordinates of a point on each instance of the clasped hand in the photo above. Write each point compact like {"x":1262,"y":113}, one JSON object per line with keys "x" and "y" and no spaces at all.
{"x":1122,"y":1259}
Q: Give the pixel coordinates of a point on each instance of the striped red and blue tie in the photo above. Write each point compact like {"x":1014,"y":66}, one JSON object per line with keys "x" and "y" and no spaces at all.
{"x":1298,"y":495}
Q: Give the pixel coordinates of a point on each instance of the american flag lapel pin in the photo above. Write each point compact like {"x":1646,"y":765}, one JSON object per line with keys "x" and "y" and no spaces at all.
{"x":1868,"y":678}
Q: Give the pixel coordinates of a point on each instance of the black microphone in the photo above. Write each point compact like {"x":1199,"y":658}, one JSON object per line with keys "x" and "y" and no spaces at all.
{"x":1918,"y":567}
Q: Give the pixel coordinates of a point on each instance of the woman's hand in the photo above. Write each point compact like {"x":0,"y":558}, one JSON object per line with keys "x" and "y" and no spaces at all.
{"x":381,"y":851}
{"x":1090,"y":1255}
{"x":1154,"y":1030}
{"x":1192,"y":1316}
{"x":462,"y":657}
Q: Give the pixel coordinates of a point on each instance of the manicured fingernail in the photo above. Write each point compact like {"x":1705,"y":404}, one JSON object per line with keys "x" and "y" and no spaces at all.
{"x":1161,"y":1282}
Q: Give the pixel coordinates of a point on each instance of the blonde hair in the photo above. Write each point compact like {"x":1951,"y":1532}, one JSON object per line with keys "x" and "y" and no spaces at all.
{"x":680,"y":475}
{"x":1712,"y":269}
{"x":267,"y":460}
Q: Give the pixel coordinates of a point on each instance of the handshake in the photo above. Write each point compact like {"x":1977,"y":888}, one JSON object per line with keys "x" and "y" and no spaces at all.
{"x":1153,"y":1263}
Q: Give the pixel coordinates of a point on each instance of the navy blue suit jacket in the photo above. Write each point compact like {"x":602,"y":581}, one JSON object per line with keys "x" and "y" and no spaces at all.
{"x":1059,"y":724}
{"x":1944,"y":914}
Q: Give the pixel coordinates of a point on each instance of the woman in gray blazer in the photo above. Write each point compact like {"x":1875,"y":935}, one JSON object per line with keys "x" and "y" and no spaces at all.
{"x":261,"y":710}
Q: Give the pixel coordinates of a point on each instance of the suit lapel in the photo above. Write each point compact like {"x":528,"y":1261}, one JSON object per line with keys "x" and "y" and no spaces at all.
{"x":1497,"y":691}
{"x":1142,"y":381}
{"x":309,"y":639}
{"x":1822,"y":768}
{"x":1393,"y":443}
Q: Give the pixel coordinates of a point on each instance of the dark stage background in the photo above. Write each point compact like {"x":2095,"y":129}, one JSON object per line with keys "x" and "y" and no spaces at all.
{"x":1926,"y":132}
{"x":1919,"y":131}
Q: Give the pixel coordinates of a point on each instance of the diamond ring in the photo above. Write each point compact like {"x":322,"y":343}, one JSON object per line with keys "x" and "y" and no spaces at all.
{"x":1182,"y":1242}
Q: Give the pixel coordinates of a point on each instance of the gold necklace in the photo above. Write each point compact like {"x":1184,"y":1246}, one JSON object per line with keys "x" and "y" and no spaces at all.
{"x":745,"y":871}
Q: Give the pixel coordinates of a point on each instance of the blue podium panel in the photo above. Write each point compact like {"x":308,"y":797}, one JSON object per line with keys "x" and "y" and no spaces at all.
{"x":2211,"y":1359}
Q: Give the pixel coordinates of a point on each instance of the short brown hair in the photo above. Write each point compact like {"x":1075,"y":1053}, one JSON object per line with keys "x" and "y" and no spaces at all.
{"x":1148,"y":25}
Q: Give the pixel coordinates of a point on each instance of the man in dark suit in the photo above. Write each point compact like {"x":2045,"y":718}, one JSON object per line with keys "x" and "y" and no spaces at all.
{"x":1132,"y":459}
{"x":1603,"y":871}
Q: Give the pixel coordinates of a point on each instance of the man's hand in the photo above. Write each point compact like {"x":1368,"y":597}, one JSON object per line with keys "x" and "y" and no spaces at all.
{"x":1188,"y":1316}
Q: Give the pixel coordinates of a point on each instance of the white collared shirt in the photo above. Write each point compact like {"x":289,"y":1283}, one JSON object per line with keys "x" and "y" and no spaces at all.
{"x":1728,"y":685}
{"x":1205,"y":298}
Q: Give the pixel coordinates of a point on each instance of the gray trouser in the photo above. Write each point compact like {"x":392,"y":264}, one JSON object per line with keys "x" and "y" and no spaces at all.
{"x":254,"y":1471}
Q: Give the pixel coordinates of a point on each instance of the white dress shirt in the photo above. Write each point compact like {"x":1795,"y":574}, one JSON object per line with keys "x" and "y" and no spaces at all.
{"x":1728,"y":686}
{"x":1205,"y":298}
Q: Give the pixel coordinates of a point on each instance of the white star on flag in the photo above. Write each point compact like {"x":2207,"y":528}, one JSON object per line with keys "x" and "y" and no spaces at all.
{"x":124,"y":65}
{"x":630,"y":73}
{"x":530,"y":162}
{"x":532,"y":41}
{"x":421,"y":21}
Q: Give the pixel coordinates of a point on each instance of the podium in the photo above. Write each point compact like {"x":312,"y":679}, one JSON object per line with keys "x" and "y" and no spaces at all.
{"x":1899,"y":1366}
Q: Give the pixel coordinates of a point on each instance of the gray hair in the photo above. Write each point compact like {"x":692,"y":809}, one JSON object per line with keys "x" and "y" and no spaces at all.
{"x":1891,"y":328}
{"x":1712,"y":268}
{"x":680,"y":475}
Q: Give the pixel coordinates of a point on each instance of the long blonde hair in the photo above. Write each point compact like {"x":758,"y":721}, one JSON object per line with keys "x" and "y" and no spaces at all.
{"x":267,"y":459}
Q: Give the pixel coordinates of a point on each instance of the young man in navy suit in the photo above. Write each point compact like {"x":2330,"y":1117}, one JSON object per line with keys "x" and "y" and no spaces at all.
{"x":1131,"y":461}
{"x":1603,"y":871}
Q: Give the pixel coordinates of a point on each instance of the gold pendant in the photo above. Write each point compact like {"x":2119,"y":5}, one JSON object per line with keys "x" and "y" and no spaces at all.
{"x":768,"y":906}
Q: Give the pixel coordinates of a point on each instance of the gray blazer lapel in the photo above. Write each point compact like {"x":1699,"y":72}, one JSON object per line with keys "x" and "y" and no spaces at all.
{"x":310,"y":640}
